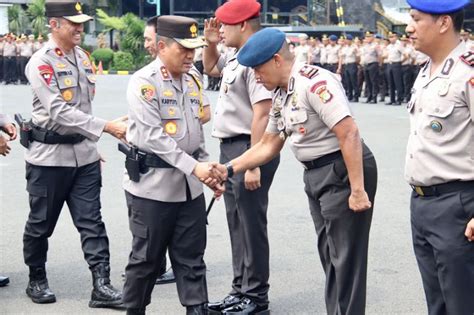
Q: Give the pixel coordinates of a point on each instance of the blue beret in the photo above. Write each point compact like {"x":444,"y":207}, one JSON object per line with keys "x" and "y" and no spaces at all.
{"x":378,"y":36}
{"x":333,"y":38}
{"x":261,"y":47}
{"x":438,"y":6}
{"x":349,"y":37}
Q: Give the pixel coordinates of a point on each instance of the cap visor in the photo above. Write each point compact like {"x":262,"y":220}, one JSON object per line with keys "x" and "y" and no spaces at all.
{"x":191,"y":43}
{"x":81,"y":18}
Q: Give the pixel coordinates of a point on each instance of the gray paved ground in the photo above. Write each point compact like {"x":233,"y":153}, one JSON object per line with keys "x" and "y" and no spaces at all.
{"x":297,"y":281}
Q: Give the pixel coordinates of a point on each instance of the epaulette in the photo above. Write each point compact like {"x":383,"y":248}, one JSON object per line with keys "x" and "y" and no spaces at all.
{"x":308,"y":71}
{"x":468,"y":58}
{"x":424,"y":65}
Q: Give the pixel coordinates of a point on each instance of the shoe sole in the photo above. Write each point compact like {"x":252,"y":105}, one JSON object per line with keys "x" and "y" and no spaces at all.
{"x":41,"y":300}
{"x":103,"y":304}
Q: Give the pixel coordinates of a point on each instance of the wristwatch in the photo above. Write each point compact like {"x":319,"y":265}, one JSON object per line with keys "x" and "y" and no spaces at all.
{"x":230,"y":169}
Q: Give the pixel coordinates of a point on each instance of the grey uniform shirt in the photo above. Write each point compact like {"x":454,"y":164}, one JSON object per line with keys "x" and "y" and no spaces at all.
{"x":63,"y":90}
{"x":26,"y":49}
{"x":163,"y":119}
{"x":37,"y":46}
{"x":313,"y":104}
{"x":394,"y":52}
{"x":9,"y":49}
{"x":349,"y":54}
{"x":409,"y":53}
{"x":369,"y":53}
{"x":441,"y":142}
{"x":332,"y":54}
{"x":239,"y":92}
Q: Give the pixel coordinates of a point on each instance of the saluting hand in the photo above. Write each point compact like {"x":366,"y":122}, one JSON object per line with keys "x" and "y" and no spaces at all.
{"x":211,"y":30}
{"x":470,"y":231}
{"x":359,"y":201}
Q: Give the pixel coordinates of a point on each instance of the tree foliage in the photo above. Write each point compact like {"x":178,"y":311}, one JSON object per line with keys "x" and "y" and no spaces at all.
{"x":37,"y":14}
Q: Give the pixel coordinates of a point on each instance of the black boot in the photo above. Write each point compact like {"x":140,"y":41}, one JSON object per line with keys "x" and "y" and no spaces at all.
{"x":38,"y":288}
{"x":197,"y":310}
{"x":135,"y":311}
{"x":4,"y":281}
{"x":104,"y":294}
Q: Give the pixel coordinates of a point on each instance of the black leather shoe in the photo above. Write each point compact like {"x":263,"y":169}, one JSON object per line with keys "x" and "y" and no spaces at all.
{"x":39,"y":292}
{"x":247,"y":307}
{"x":197,"y":310}
{"x":397,"y":103}
{"x":104,"y":294}
{"x":4,"y":281}
{"x":368,"y":100}
{"x":135,"y":311}
{"x":374,"y":101}
{"x":228,"y":301}
{"x":167,"y":277}
{"x":389,"y":103}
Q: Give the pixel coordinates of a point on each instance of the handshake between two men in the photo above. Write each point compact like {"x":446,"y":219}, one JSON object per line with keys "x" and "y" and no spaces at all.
{"x":214,"y":175}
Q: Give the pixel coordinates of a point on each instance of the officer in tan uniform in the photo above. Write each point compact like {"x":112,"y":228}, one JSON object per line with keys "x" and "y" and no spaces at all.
{"x":9,"y":60}
{"x":62,"y":161}
{"x":239,"y":122}
{"x":39,"y":43}
{"x":25,"y":51}
{"x":349,"y":59}
{"x":370,"y":56}
{"x":440,"y":157}
{"x":2,"y":43}
{"x":394,"y":57}
{"x":332,"y":54}
{"x":311,"y":111}
{"x":407,"y":67}
{"x":164,"y":194}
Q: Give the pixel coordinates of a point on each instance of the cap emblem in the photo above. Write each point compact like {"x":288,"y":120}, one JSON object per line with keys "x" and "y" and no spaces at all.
{"x":78,"y":8}
{"x":193,"y":29}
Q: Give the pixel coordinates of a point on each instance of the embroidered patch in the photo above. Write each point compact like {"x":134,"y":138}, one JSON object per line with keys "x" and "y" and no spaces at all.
{"x":468,"y":58}
{"x":317,"y":85}
{"x":171,"y":128}
{"x":46,"y":71}
{"x":324,"y":94}
{"x":308,"y":71}
{"x":67,"y":95}
{"x":164,"y":73}
{"x":147,"y":91}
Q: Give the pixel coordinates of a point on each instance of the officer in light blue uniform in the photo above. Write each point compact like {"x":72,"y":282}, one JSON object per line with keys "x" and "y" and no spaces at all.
{"x":440,"y":156}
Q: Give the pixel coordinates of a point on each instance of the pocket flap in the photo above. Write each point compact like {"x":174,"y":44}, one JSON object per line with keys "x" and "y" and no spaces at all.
{"x":298,"y":117}
{"x":440,"y":111}
{"x":139,"y":230}
{"x":37,"y":190}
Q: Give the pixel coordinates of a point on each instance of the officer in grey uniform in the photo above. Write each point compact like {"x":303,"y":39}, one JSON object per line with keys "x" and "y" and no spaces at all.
{"x":62,"y":161}
{"x":9,"y":60}
{"x":440,"y":157}
{"x":164,"y":195}
{"x":7,"y":126}
{"x":350,"y":59}
{"x":311,"y":111}
{"x":25,"y":51}
{"x":394,"y":57}
{"x":239,"y":122}
{"x":370,"y":59}
{"x":332,"y":54}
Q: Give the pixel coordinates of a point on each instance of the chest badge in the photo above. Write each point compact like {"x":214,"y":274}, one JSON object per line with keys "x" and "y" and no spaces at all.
{"x":436,"y":126}
{"x":193,"y":93}
{"x":86,"y":63}
{"x":171,"y":111}
{"x":60,"y":65}
{"x":168,"y":93}
{"x":68,"y":82}
{"x":67,"y":95}
{"x":171,"y":128}
{"x":444,"y":88}
{"x":302,"y":130}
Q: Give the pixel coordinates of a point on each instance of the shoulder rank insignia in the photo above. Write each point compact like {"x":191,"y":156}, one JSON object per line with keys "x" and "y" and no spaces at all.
{"x":147,"y":92}
{"x":468,"y":58}
{"x":46,"y":72}
{"x":164,"y":73}
{"x":308,"y":71}
{"x":448,"y":65}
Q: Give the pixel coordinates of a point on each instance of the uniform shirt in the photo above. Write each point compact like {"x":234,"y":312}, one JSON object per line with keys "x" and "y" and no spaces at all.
{"x":441,"y":142}
{"x":369,"y":53}
{"x":63,"y":89}
{"x":316,"y":54}
{"x":238,"y":93}
{"x":37,"y":46}
{"x":409,"y":53}
{"x":163,"y":119}
{"x":420,"y":57}
{"x":26,"y":49}
{"x":313,"y":104}
{"x":332,"y":54}
{"x":301,"y":53}
{"x":349,"y":54}
{"x":9,"y":49}
{"x":324,"y":54}
{"x":394,"y":53}
{"x":1,"y":50}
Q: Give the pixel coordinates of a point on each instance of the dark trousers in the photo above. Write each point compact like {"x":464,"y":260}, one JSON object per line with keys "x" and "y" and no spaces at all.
{"x":395,"y":81}
{"x":383,"y":82}
{"x":371,"y":73}
{"x":445,"y":257}
{"x":332,"y":67}
{"x":49,"y":188}
{"x":352,"y":86}
{"x":408,"y":80}
{"x":9,"y":65}
{"x":2,"y":71}
{"x":21,"y":74}
{"x":247,"y":220}
{"x":343,"y":235}
{"x":156,"y":226}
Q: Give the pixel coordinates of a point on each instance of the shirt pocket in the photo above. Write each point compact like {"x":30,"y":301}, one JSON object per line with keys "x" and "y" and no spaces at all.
{"x":68,"y":89}
{"x":437,"y":122}
{"x":297,"y":120}
{"x":91,"y":86}
{"x":173,"y":121}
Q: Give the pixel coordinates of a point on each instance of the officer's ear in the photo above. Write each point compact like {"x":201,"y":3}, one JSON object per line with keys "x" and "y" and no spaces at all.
{"x":445,"y":22}
{"x":277,"y":59}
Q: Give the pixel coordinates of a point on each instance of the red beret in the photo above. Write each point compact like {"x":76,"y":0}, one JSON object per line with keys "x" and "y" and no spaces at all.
{"x":238,"y":11}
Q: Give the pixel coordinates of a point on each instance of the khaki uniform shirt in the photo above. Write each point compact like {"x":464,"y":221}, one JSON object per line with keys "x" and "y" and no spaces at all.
{"x":63,"y":89}
{"x":324,"y":54}
{"x":409,"y":53}
{"x":238,"y":93}
{"x":394,"y":52}
{"x":313,"y":104}
{"x":349,"y":54}
{"x":420,"y":57}
{"x":1,"y":50}
{"x":163,"y":119}
{"x":37,"y":46}
{"x":301,"y":53}
{"x":26,"y":49}
{"x":369,"y":53}
{"x":9,"y":49}
{"x":441,"y":142}
{"x":332,"y":54}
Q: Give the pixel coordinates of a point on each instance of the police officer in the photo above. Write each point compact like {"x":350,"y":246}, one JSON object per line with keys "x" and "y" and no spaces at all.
{"x":39,"y":43}
{"x":240,"y":118}
{"x":310,"y":108}
{"x":439,"y":160}
{"x":62,"y":161}
{"x":332,"y":54}
{"x":25,"y":52}
{"x":350,"y":59}
{"x":9,"y":60}
{"x":370,"y":56}
{"x":166,"y":201}
{"x":394,"y":57}
{"x":2,"y":71}
{"x":407,"y":66}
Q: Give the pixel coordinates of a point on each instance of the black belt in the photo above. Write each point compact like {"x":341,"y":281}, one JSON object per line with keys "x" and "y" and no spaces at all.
{"x":436,"y":190}
{"x":322,"y":161}
{"x":51,"y":137}
{"x":242,"y":137}
{"x":154,"y":161}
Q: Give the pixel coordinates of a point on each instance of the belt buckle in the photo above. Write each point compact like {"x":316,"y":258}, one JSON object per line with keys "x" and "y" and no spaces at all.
{"x":419,"y":191}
